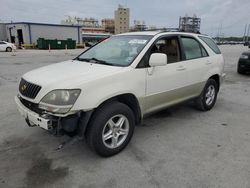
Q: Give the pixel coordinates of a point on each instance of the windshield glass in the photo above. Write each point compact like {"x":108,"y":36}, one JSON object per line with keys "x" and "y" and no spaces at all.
{"x":117,"y":50}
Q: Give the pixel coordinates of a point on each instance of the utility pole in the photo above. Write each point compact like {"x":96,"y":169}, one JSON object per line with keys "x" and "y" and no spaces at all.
{"x":219,"y":32}
{"x":245,"y":32}
{"x":248,"y":32}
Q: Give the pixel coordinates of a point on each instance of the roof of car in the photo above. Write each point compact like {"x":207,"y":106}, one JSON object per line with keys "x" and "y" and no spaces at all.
{"x":153,"y":33}
{"x":141,"y":33}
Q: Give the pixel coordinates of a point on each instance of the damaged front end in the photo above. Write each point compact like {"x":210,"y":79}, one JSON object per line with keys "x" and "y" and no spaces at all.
{"x":72,"y":124}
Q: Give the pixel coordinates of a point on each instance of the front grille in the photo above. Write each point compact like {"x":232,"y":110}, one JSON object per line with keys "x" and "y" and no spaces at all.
{"x":32,"y":106}
{"x":28,"y":89}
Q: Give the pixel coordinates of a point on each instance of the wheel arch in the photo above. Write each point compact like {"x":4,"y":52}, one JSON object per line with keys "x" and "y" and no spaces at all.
{"x":7,"y":48}
{"x":216,"y":77}
{"x":128,"y":99}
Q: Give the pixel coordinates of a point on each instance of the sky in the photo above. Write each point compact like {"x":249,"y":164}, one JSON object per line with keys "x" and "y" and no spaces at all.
{"x":230,"y":15}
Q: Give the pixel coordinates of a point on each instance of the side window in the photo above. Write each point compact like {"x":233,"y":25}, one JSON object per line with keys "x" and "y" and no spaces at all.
{"x":2,"y":43}
{"x":192,"y":48}
{"x":211,"y":44}
{"x":168,"y":46}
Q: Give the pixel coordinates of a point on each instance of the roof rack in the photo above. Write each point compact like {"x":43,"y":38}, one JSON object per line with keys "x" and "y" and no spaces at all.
{"x":170,"y":30}
{"x":164,"y":29}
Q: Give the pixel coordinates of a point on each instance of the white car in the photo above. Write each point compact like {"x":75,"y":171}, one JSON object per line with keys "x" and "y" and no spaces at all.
{"x":108,"y":89}
{"x":6,"y":46}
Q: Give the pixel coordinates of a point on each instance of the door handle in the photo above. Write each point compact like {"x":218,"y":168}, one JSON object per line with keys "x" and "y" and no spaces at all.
{"x":181,"y":68}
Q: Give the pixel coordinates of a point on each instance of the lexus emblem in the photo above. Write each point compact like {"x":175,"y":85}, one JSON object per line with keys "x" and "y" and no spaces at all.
{"x":23,"y":87}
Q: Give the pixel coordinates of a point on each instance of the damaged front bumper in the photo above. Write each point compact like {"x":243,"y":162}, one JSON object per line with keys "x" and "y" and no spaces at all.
{"x":76,"y":123}
{"x":32,"y":118}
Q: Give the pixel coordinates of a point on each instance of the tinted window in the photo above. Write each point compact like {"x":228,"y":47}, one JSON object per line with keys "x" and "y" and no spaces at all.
{"x":192,"y":48}
{"x":2,"y":43}
{"x":211,"y":44}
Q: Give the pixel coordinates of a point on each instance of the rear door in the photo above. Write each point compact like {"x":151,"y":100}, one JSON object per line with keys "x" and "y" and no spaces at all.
{"x":197,"y":63}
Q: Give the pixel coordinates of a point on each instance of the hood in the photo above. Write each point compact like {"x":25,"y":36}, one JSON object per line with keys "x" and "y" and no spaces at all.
{"x":69,"y":73}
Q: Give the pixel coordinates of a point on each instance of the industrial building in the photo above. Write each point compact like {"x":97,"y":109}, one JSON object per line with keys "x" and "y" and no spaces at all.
{"x":190,"y":24}
{"x":90,"y":39}
{"x":86,"y":22}
{"x":3,"y":34}
{"x":28,"y":33}
{"x":121,"y":20}
{"x":109,"y":25}
{"x":88,"y":25}
{"x":139,"y":26}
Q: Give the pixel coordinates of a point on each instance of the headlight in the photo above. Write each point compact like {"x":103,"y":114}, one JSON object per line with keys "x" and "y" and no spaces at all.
{"x":244,"y":56}
{"x":59,"y":101}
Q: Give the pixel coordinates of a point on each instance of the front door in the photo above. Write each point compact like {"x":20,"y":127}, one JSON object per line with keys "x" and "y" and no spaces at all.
{"x":166,"y":85}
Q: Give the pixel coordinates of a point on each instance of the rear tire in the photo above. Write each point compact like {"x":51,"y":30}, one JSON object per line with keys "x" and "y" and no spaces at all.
{"x":8,"y":49}
{"x":207,"y":99}
{"x":110,"y":129}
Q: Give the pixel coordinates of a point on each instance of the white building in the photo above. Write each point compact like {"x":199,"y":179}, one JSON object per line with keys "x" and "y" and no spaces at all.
{"x":28,"y":33}
{"x":121,"y":20}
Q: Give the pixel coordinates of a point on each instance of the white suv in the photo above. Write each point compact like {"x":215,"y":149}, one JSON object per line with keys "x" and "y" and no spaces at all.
{"x":108,"y":89}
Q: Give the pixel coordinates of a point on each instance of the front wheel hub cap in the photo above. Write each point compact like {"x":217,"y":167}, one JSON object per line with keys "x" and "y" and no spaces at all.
{"x":115,"y":131}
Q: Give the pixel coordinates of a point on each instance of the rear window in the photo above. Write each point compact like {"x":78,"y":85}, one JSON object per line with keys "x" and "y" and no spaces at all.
{"x":211,"y":44}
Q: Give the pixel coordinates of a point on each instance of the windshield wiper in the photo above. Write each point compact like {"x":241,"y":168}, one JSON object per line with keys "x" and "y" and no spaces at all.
{"x":83,"y":59}
{"x":95,"y":60}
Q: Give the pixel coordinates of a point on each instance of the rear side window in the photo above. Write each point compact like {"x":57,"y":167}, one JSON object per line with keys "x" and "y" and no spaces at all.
{"x":211,"y":44}
{"x":2,"y":43}
{"x":192,"y":48}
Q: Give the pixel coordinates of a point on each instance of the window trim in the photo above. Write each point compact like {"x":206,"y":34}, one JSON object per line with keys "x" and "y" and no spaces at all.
{"x":200,"y":45}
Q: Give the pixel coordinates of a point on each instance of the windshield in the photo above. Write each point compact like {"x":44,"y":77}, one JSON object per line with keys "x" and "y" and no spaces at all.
{"x":118,"y":50}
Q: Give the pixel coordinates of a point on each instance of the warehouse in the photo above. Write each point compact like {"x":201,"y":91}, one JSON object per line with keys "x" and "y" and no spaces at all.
{"x":3,"y":35}
{"x":28,"y":33}
{"x":92,"y":38}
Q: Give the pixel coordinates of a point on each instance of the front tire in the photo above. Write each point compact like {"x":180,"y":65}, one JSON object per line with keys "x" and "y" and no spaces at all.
{"x":110,"y":129}
{"x":207,"y":99}
{"x":8,"y":49}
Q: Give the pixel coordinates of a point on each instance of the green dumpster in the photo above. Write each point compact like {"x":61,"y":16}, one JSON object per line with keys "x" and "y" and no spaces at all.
{"x":56,"y":44}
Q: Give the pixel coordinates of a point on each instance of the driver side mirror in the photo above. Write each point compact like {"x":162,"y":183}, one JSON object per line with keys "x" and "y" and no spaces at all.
{"x":158,"y":59}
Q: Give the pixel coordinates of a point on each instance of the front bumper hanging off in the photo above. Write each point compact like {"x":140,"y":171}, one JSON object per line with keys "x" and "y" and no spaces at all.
{"x":57,"y":125}
{"x":32,"y":118}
